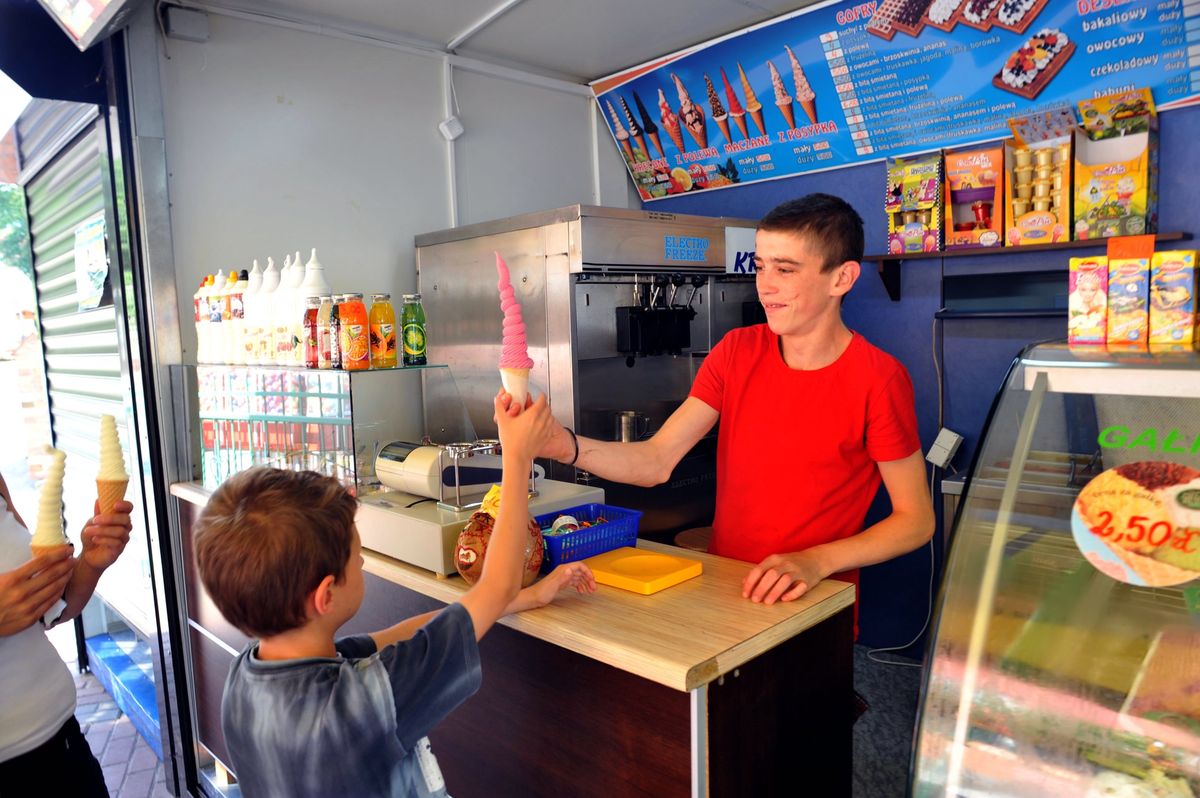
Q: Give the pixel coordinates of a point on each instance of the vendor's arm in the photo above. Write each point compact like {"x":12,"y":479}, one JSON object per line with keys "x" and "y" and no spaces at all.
{"x":788,"y":576}
{"x":104,"y":538}
{"x":646,"y":463}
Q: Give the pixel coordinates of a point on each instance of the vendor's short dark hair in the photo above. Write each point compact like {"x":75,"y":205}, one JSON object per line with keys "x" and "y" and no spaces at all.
{"x":266,"y":539}
{"x":829,"y":223}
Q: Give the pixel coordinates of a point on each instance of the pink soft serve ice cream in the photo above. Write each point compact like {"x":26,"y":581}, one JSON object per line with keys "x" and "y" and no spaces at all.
{"x":515,"y":362}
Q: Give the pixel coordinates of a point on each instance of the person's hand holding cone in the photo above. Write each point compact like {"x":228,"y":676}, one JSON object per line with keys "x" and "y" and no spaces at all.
{"x":515,"y":362}
{"x":112,"y":479}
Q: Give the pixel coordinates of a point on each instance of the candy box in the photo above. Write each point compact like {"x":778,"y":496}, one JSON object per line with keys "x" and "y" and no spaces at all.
{"x":1173,"y":308}
{"x":914,"y":205}
{"x":1037,"y":178}
{"x":1087,"y":300}
{"x":974,"y":198}
{"x":1128,"y":301}
{"x":1116,"y":166}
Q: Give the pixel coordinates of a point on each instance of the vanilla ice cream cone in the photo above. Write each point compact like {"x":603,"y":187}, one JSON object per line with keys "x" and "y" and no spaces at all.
{"x":112,"y":480}
{"x":49,"y":533}
{"x":38,"y":551}
{"x":516,"y":382}
{"x":109,"y":492}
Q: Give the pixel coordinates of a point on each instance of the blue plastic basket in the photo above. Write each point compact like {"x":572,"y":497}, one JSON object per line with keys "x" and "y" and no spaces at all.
{"x":619,"y":529}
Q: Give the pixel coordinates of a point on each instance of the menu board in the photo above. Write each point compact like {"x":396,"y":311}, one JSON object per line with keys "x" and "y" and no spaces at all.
{"x":848,"y":83}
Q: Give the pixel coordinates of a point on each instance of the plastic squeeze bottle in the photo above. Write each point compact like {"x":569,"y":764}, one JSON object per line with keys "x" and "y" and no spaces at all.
{"x":263,"y":319}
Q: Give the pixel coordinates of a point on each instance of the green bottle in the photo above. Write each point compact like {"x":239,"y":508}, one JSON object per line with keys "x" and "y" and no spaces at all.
{"x":412,"y":325}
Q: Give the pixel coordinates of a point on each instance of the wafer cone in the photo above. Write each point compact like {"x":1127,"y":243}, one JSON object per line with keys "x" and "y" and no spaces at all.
{"x":109,"y":492}
{"x":788,"y":114}
{"x":657,"y":145}
{"x":740,"y":121}
{"x":757,"y":116}
{"x":723,"y":123}
{"x":516,"y":382}
{"x":38,"y":551}
{"x":1155,"y":573}
{"x":701,"y":136}
{"x":810,"y":110}
{"x":627,"y":148}
{"x":677,"y":136}
{"x":641,"y":142}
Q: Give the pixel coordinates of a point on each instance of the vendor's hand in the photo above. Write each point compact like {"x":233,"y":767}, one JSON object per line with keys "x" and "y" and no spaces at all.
{"x":27,"y":593}
{"x":105,"y":536}
{"x":782,"y":577}
{"x":569,"y":575}
{"x":523,"y":432}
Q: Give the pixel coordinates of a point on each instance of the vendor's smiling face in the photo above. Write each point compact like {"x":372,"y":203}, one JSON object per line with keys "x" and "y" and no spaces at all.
{"x":794,"y":291}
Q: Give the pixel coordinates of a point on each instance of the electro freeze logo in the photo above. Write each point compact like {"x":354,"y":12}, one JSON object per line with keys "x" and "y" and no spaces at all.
{"x":692,"y":249}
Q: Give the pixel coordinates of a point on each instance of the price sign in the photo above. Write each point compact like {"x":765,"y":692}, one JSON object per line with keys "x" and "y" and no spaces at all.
{"x":1140,"y":523}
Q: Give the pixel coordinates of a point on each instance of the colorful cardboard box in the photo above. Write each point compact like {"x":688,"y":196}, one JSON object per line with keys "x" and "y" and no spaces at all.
{"x":1087,"y":301}
{"x":1173,"y":308}
{"x":1116,"y":166}
{"x":913,"y":204}
{"x":1128,"y":301}
{"x":974,"y":198}
{"x":1037,"y":178}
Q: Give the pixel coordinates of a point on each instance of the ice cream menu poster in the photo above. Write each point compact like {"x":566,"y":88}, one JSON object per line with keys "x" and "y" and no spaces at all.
{"x":846,"y":83}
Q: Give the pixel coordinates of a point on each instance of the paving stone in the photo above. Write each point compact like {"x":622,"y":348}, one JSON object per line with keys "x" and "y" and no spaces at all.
{"x":143,"y":758}
{"x":123,"y":727}
{"x":137,"y":785}
{"x":97,"y":742}
{"x":113,"y":776}
{"x":118,"y":751}
{"x":160,"y":791}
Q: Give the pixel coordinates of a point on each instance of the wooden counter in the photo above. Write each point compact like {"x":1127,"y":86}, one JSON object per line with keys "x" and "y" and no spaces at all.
{"x":690,"y":691}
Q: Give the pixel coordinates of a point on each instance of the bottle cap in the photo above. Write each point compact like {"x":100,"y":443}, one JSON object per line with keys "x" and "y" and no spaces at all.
{"x":412,"y":297}
{"x":313,"y":302}
{"x":381,"y":297}
{"x":352,"y":297}
{"x":243,"y":275}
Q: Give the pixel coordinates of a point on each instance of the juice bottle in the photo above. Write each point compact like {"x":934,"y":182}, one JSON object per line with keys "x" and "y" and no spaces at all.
{"x":312,"y":306}
{"x":354,"y":333}
{"x":412,"y":322}
{"x":335,"y":332}
{"x":383,"y":332}
{"x":323,"y":312}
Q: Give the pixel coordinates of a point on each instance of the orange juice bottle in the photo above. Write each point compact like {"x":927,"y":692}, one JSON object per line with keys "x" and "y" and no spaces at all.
{"x":355,"y":338}
{"x":383,"y":332}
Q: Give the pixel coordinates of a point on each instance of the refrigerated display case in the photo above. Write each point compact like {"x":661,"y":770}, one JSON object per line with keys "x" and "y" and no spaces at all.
{"x":1065,"y":657}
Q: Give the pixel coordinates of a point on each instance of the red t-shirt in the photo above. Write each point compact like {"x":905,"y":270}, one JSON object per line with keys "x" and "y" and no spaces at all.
{"x":797,"y":450}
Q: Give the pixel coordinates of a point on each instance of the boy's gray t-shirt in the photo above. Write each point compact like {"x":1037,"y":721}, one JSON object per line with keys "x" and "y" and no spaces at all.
{"x":354,"y":724}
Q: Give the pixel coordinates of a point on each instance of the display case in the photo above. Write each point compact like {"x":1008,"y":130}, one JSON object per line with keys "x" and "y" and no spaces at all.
{"x":330,"y":421}
{"x":1065,"y":657}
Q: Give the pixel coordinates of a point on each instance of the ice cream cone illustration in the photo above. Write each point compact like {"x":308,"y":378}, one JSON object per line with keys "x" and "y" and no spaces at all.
{"x":718,"y":111}
{"x":691,"y":115}
{"x":670,"y":121}
{"x":783,"y":100}
{"x":515,"y":362}
{"x":112,"y":479}
{"x":619,"y":131}
{"x":804,"y":93}
{"x":736,"y":112}
{"x":648,"y":125}
{"x":49,"y":533}
{"x":635,"y":133}
{"x":752,"y":103}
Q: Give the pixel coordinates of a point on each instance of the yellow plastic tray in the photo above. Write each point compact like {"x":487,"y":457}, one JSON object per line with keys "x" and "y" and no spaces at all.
{"x":642,"y":572}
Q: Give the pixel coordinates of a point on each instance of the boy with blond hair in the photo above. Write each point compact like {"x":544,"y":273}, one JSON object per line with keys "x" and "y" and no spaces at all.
{"x":307,"y":714}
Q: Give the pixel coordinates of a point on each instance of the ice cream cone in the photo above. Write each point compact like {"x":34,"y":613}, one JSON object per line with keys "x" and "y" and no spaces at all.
{"x":516,"y":382}
{"x":788,"y":114}
{"x":109,"y":492}
{"x":38,"y":551}
{"x":657,"y":145}
{"x":740,"y":121}
{"x":627,"y":148}
{"x":49,"y":531}
{"x":756,"y":115}
{"x":723,"y":123}
{"x":641,"y":145}
{"x":691,"y":116}
{"x":670,"y":121}
{"x":700,"y":134}
{"x":810,"y":110}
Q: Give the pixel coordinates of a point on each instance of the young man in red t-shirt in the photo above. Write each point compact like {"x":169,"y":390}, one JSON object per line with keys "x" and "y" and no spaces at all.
{"x":813,"y":418}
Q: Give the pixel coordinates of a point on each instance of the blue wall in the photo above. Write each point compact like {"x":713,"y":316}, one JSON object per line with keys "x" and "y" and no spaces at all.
{"x":978,"y":352}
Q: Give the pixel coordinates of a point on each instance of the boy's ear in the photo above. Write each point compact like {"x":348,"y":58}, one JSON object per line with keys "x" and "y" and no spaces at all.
{"x":847,"y":276}
{"x":321,"y":599}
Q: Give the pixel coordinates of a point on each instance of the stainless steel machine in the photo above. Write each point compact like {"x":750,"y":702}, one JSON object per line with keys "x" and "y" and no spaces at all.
{"x":620,"y":308}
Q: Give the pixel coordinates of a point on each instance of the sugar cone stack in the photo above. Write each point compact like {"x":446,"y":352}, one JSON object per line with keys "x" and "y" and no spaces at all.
{"x":112,"y":480}
{"x":515,"y":362}
{"x":49,"y":536}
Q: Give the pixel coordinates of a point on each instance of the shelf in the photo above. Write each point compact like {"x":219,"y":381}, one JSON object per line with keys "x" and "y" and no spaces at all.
{"x":1048,"y":313}
{"x":889,"y":265}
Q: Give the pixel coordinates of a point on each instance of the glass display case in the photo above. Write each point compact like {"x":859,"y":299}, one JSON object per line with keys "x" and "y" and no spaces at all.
{"x":330,"y":421}
{"x":1065,"y":657}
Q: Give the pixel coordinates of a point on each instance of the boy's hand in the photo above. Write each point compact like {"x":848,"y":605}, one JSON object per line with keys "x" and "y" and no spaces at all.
{"x":28,"y":592}
{"x":541,"y":593}
{"x":523,"y":431}
{"x":105,"y":536}
{"x":782,"y":577}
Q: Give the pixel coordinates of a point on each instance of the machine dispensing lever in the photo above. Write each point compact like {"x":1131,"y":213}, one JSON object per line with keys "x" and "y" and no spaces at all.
{"x":698,"y":282}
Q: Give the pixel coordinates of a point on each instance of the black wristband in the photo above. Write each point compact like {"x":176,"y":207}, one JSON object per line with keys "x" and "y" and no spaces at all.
{"x":575,"y":441}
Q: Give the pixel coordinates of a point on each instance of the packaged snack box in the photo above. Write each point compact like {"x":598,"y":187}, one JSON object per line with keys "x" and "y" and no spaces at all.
{"x":1037,"y":182}
{"x":974,"y":198}
{"x":913,"y":204}
{"x":1116,"y":166}
{"x":1128,"y":301}
{"x":1173,"y":309}
{"x":1087,"y":301}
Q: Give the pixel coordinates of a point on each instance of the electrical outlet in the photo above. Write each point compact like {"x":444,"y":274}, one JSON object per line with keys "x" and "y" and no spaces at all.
{"x":943,"y":448}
